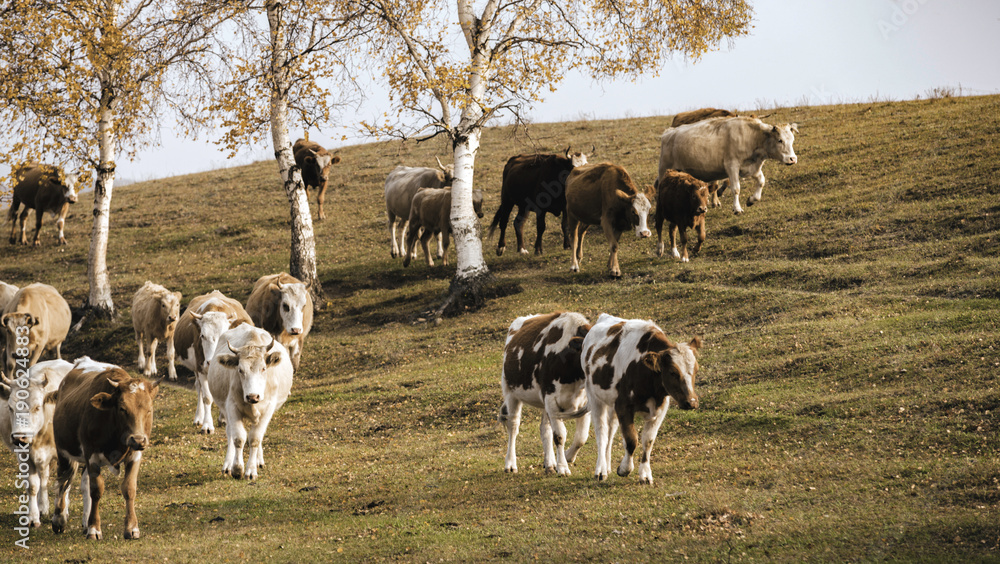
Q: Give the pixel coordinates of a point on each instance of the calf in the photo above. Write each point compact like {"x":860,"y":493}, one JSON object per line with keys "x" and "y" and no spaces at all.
{"x":604,"y":194}
{"x":431,"y":211}
{"x":682,"y":201}
{"x":204,"y":321}
{"x":26,"y":429}
{"x":40,"y":313}
{"x":281,"y":305}
{"x":400,"y":187}
{"x":632,"y":367}
{"x":103,"y":417}
{"x":43,"y":188}
{"x":541,"y":368}
{"x":251,"y":376}
{"x":154,"y":317}
{"x":315,"y":162}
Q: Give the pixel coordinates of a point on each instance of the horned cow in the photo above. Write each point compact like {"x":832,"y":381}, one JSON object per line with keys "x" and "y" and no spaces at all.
{"x":282,"y":305}
{"x":400,"y":186}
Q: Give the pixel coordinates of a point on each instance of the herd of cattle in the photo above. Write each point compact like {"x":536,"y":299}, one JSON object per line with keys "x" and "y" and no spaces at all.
{"x":95,"y":414}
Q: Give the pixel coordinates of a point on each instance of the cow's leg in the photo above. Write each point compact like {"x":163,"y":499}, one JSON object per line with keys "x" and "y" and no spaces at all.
{"x":627,"y":419}
{"x":577,"y":230}
{"x":255,"y":438}
{"x":443,"y":239}
{"x":612,"y":237}
{"x":34,"y":492}
{"x":130,"y":478}
{"x":39,"y":215}
{"x":425,"y":239}
{"x":96,"y":482}
{"x":733,"y":170}
{"x":682,"y":233}
{"x":672,"y":232}
{"x":699,"y":227}
{"x":602,"y":427}
{"x":61,"y":224}
{"x":579,"y":437}
{"x":519,"y":219}
{"x":565,"y":230}
{"x":171,"y":371}
{"x":510,"y":416}
{"x":394,"y":249}
{"x":140,"y":361}
{"x":85,"y":495}
{"x":760,"y":188}
{"x":43,"y":488}
{"x":501,"y":219}
{"x":151,"y":361}
{"x":546,"y":431}
{"x":649,"y":431}
{"x":236,"y":438}
{"x":199,"y":409}
{"x":65,"y":472}
{"x":320,"y":200}
{"x":24,"y":218}
{"x":12,"y":217}
{"x":659,"y":232}
{"x":205,"y":394}
{"x":410,"y":248}
{"x":714,"y":191}
{"x":539,"y":230}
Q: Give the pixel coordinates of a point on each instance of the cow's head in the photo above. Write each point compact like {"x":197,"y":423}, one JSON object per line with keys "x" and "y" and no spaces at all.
{"x":677,"y":367}
{"x":15,"y":324}
{"x":292,"y":299}
{"x":170,"y":307}
{"x":779,"y":143}
{"x":250,"y":363}
{"x":578,"y":158}
{"x":447,"y":176}
{"x":27,"y":404}
{"x":211,"y":325}
{"x":129,"y":401}
{"x":637,"y":212}
{"x":699,"y":199}
{"x":477,"y":202}
{"x":70,"y":183}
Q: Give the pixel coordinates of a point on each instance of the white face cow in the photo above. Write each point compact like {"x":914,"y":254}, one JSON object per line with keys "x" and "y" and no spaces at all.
{"x":639,"y":212}
{"x":293,"y":301}
{"x":70,"y":187}
{"x":577,"y":158}
{"x":26,"y":408}
{"x":250,"y":362}
{"x":211,"y":325}
{"x":779,"y":143}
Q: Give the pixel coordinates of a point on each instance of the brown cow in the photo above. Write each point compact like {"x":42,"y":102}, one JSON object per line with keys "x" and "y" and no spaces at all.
{"x":684,"y":118}
{"x":281,"y":305}
{"x":431,"y":210}
{"x":314,"y":161}
{"x":40,"y":312}
{"x":682,"y":201}
{"x":103,"y":417}
{"x":604,"y":194}
{"x":43,"y":188}
{"x":154,"y":318}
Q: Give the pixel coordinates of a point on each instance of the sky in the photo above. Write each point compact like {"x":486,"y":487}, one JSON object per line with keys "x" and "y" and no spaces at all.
{"x":803,"y":52}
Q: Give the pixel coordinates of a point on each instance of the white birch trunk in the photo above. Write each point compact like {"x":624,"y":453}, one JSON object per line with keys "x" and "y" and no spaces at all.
{"x":97,"y":266}
{"x":464,"y":223}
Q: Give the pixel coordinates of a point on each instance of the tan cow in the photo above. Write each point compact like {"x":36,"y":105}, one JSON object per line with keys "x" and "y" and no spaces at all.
{"x":681,"y":201}
{"x":7,"y":292}
{"x":314,"y":161}
{"x":684,"y":118}
{"x":155,"y":311}
{"x":400,"y":187}
{"x":604,"y":194}
{"x":40,"y":313}
{"x":281,"y":305}
{"x":431,"y":212}
{"x":43,"y":188}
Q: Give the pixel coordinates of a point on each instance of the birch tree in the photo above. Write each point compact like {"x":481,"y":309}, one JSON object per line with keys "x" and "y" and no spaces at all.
{"x":452,"y":66}
{"x":80,"y":80}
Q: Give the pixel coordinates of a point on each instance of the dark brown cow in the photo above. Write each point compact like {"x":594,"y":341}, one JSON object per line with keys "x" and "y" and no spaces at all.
{"x":43,"y":188}
{"x":103,"y":417}
{"x":682,"y":201}
{"x":534,"y":183}
{"x":604,"y":194}
{"x":315,"y":162}
{"x":684,"y":118}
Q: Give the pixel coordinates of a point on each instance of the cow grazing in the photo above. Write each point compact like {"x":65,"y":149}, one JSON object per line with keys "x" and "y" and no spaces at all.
{"x":534,"y":183}
{"x":631,"y":367}
{"x":314,"y":161}
{"x":103,"y":417}
{"x":26,"y":429}
{"x":281,"y":305}
{"x":400,"y":187}
{"x":155,"y":311}
{"x":727,"y":148}
{"x":38,"y":311}
{"x":43,"y":188}
{"x":430,"y":214}
{"x":250,"y":376}
{"x":541,"y":368}
{"x":684,"y":118}
{"x":197,"y":335}
{"x":604,"y":194}
{"x":682,"y":201}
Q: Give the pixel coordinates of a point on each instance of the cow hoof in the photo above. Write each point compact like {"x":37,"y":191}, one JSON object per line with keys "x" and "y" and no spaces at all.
{"x":563,"y":471}
{"x":500,"y":251}
{"x":94,"y":535}
{"x":574,"y":269}
{"x":37,"y":243}
{"x":522,"y":251}
{"x":538,"y":252}
{"x":62,"y":241}
{"x":131,"y":535}
{"x":36,"y":524}
{"x":648,"y":480}
{"x":550,"y":469}
{"x":206,"y":431}
{"x":685,"y":259}
{"x":510,"y":469}
{"x":616,"y":275}
{"x":601,"y":477}
{"x":236,"y":473}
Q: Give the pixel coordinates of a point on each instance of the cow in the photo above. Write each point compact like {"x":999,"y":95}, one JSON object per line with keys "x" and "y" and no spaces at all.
{"x":431,"y":212}
{"x":685,"y":118}
{"x":155,"y":311}
{"x":727,"y":148}
{"x":400,"y":187}
{"x":43,"y":188}
{"x":197,"y":335}
{"x":39,"y":313}
{"x":630,"y":367}
{"x":281,"y":305}
{"x":534,"y":183}
{"x":314,"y":161}
{"x":26,"y":429}
{"x":541,"y":368}
{"x":103,"y":417}
{"x":7,"y":292}
{"x":682,"y":201}
{"x":251,"y":376}
{"x":604,"y":194}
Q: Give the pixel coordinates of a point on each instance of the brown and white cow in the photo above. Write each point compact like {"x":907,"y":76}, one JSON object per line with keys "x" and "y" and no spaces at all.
{"x":26,"y":429}
{"x":684,"y":118}
{"x":103,"y":417}
{"x":534,"y":183}
{"x":155,"y":311}
{"x":430,"y":215}
{"x":40,"y":313}
{"x":314,"y":161}
{"x":281,"y":305}
{"x":681,"y":201}
{"x":197,"y":335}
{"x":727,"y":148}
{"x":632,"y":367}
{"x":604,"y":194}
{"x":43,"y":188}
{"x":541,"y":368}
{"x":400,"y":187}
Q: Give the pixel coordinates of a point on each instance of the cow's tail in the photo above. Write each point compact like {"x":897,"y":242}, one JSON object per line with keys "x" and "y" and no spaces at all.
{"x":493,"y":225}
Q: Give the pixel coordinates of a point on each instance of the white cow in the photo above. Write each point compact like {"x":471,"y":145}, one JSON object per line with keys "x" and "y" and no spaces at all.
{"x":400,"y":186}
{"x":26,"y":429}
{"x":727,"y":148}
{"x":250,"y":376}
{"x":281,"y":305}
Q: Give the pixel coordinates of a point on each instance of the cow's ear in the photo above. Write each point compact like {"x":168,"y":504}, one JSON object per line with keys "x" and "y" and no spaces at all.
{"x":273,"y":358}
{"x":227,"y":360}
{"x":794,"y":128}
{"x":154,"y":388}
{"x":4,"y":391}
{"x":336,"y":159}
{"x":103,"y":401}
{"x":576,"y":344}
{"x":178,"y":296}
{"x":30,"y":319}
{"x":652,"y":361}
{"x":695,"y":343}
{"x":51,"y":397}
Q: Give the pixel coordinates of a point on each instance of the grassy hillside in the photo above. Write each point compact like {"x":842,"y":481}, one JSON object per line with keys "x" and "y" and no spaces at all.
{"x":849,"y":382}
